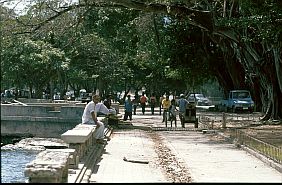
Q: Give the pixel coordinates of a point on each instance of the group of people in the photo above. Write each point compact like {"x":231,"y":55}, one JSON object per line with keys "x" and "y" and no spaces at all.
{"x":170,"y":107}
{"x":95,"y":107}
{"x":131,"y":105}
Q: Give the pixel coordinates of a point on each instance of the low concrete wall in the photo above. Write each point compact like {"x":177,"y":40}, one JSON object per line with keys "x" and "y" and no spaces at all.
{"x":42,"y":110}
{"x":48,"y":167}
{"x":43,"y":128}
{"x":67,"y":165}
{"x":42,"y":119}
{"x":39,"y":120}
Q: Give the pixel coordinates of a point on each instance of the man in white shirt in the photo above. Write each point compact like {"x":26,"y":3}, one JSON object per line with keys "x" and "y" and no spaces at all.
{"x":90,"y":116}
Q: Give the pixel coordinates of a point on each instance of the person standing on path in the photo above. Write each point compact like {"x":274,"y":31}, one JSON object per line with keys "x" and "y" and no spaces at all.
{"x":172,"y":112}
{"x":182,"y":102}
{"x":153,"y":103}
{"x":127,"y":109}
{"x":165,"y":105}
{"x":143,"y":100}
{"x":90,"y":117}
{"x":160,"y":102}
{"x":135,"y":104}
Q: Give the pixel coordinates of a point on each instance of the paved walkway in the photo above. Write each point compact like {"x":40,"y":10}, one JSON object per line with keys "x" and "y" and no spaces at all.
{"x":218,"y":161}
{"x":207,"y":160}
{"x":134,"y":145}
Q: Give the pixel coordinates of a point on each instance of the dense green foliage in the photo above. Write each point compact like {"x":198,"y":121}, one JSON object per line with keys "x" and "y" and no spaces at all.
{"x":164,"y":46}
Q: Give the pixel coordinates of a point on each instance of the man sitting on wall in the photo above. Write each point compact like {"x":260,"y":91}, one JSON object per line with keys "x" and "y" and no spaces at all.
{"x":90,"y":117}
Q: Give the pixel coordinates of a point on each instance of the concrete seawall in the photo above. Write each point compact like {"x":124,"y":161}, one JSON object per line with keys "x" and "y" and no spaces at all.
{"x":69,"y":165}
{"x":55,"y":120}
{"x":43,"y":120}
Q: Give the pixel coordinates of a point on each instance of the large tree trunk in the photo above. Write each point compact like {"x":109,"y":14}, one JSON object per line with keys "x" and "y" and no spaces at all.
{"x":229,"y":70}
{"x":273,"y":72}
{"x":266,"y":68}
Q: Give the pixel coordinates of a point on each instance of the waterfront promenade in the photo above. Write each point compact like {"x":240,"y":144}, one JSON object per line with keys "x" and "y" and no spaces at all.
{"x":142,"y":150}
{"x":191,"y":157}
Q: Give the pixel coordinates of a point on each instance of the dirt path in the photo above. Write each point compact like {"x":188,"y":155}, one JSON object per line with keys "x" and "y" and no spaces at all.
{"x":175,"y":170}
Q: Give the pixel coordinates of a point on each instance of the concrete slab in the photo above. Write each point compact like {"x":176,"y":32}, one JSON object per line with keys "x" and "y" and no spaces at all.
{"x":76,"y":136}
{"x":134,"y":145}
{"x":211,"y":161}
{"x":207,"y":160}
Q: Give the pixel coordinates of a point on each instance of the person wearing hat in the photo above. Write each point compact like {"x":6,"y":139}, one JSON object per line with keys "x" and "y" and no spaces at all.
{"x":182,"y":102}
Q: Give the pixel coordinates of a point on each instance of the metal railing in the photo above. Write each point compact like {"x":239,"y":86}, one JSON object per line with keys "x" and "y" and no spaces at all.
{"x":224,"y":120}
{"x":266,"y":149}
{"x":270,"y":151}
{"x":208,"y":116}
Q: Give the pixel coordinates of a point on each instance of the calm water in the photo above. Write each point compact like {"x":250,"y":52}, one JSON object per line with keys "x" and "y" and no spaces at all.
{"x":13,"y":164}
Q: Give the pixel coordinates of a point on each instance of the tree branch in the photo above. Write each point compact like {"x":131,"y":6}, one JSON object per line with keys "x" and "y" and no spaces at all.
{"x":201,"y":19}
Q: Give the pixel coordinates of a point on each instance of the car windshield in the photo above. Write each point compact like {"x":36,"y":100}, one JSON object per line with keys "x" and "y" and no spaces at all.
{"x":241,"y":94}
{"x":199,"y":95}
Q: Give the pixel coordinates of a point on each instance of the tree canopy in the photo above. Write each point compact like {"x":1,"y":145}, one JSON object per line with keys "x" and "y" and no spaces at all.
{"x":162,"y":45}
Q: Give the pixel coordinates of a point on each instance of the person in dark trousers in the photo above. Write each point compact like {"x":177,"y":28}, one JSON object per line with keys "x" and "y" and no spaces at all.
{"x":127,"y":109}
{"x":182,"y":102}
{"x":172,"y":112}
{"x":165,"y":104}
{"x":153,"y":103}
{"x":135,"y":104}
{"x":143,"y":100}
{"x":161,"y":105}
